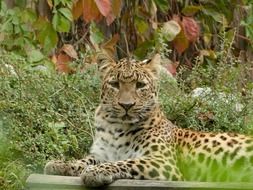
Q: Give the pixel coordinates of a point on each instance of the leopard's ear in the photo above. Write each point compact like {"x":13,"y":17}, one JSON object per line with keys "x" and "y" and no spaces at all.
{"x":104,"y":62}
{"x":154,"y":65}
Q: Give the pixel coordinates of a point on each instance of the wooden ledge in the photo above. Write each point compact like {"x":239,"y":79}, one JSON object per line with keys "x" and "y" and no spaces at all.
{"x":50,"y":182}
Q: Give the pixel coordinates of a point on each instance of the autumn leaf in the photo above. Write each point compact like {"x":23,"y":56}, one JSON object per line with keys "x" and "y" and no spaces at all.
{"x":69,"y":50}
{"x":104,"y":7}
{"x":181,"y":43}
{"x":91,"y":11}
{"x":189,"y":33}
{"x":77,"y":9}
{"x":191,"y":28}
{"x":172,"y":68}
{"x":116,"y":7}
{"x":94,"y":10}
{"x":62,"y":63}
{"x":110,"y":18}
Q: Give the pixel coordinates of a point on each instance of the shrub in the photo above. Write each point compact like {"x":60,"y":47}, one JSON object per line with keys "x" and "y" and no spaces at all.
{"x":44,"y":115}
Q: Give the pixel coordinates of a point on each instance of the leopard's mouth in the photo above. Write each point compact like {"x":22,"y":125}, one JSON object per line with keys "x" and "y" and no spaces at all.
{"x":126,"y":117}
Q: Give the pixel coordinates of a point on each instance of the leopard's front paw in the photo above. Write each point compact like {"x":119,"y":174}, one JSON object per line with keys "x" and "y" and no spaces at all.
{"x":55,"y":167}
{"x":95,"y":177}
{"x":104,"y":174}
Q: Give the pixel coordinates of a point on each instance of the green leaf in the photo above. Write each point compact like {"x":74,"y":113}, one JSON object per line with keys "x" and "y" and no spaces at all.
{"x":248,"y":23}
{"x":218,"y":17}
{"x":96,"y":36}
{"x":67,"y":3}
{"x":17,"y":29}
{"x":66,"y":13}
{"x":20,"y":3}
{"x":249,"y":32}
{"x":191,"y":10}
{"x":19,"y":42}
{"x":141,"y":25}
{"x":35,"y":56}
{"x":15,"y":20}
{"x":143,"y":49}
{"x":59,"y":125}
{"x":60,"y":23}
{"x":56,"y":2}
{"x":3,"y":8}
{"x":47,"y":36}
{"x":28,"y":16}
{"x":7,"y":26}
{"x":163,"y":5}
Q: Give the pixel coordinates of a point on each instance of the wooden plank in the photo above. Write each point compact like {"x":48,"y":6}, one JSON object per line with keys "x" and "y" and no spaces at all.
{"x":50,"y":182}
{"x":40,"y":181}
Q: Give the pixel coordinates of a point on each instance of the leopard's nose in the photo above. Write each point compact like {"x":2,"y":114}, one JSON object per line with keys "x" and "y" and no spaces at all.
{"x":126,"y":106}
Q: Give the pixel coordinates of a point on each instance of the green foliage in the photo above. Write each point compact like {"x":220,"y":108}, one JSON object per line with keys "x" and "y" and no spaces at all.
{"x":43,"y":116}
{"x":16,"y":30}
{"x":139,"y":23}
{"x":47,"y":36}
{"x":62,"y":15}
{"x":248,"y":22}
{"x":226,"y":103}
{"x":22,"y":28}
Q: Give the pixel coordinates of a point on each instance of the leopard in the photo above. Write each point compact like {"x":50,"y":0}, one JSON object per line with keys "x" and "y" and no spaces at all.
{"x":135,"y":140}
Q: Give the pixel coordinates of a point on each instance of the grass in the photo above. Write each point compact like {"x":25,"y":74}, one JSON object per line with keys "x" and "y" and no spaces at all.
{"x":45,"y":115}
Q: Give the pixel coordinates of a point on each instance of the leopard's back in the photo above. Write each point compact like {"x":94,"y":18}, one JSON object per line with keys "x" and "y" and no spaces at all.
{"x":215,"y":156}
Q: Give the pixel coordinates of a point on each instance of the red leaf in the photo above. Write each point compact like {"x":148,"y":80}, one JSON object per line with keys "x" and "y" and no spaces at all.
{"x":62,"y":64}
{"x":191,"y":28}
{"x":104,"y":7}
{"x":91,"y":11}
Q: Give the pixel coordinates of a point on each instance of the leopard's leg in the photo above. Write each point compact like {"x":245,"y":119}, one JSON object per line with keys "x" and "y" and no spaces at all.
{"x":70,"y":168}
{"x":141,"y":168}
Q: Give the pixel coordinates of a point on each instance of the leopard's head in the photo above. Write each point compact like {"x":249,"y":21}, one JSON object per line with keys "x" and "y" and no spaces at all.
{"x":129,"y":88}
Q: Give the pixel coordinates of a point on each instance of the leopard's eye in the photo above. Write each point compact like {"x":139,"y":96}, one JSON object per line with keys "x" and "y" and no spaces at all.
{"x":140,"y":85}
{"x":114,"y":84}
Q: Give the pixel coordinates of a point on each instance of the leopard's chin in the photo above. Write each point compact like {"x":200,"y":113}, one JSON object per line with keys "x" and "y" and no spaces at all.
{"x":127,"y":119}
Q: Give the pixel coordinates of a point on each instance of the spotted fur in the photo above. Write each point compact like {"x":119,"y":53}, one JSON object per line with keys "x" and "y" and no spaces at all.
{"x":134,"y":140}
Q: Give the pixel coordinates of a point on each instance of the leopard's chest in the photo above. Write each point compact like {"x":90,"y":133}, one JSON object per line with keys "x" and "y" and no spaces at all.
{"x":114,"y":142}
